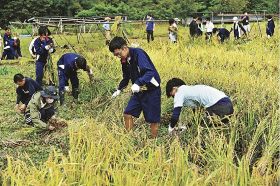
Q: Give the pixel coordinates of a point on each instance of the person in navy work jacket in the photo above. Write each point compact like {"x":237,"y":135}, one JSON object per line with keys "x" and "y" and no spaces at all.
{"x":9,"y":51}
{"x":67,"y":67}
{"x":270,"y":26}
{"x":150,"y":26}
{"x":138,"y":67}
{"x":26,"y":88}
{"x":43,"y":46}
{"x":222,"y":34}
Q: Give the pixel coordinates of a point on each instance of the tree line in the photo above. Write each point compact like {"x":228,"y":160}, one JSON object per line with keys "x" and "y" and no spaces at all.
{"x":20,"y":10}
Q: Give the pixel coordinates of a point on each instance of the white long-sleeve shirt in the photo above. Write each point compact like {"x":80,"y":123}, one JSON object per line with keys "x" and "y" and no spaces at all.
{"x":209,"y":26}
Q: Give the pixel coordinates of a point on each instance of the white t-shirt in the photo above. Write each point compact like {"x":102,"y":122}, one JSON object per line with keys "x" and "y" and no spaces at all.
{"x":209,"y":26}
{"x":31,"y":45}
{"x":196,"y":96}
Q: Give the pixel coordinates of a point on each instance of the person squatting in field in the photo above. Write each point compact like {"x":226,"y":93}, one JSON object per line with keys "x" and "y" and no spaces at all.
{"x":146,"y":93}
{"x":67,"y":67}
{"x":43,"y":47}
{"x":26,"y":87}
{"x":11,"y":46}
{"x":222,"y":34}
{"x":214,"y":102}
{"x":41,"y":108}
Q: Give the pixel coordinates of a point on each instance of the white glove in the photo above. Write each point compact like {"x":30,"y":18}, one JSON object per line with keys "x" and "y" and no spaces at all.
{"x":182,"y":128}
{"x":47,"y":47}
{"x":51,"y":50}
{"x":116,"y":93}
{"x":66,"y":88}
{"x":135,"y":88}
{"x":15,"y":38}
{"x":170,"y":129}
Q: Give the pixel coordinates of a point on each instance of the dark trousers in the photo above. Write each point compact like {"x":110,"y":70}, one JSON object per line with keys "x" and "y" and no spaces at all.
{"x":9,"y":53}
{"x":45,"y":113}
{"x":40,"y":72}
{"x":150,"y":35}
{"x":222,"y":108}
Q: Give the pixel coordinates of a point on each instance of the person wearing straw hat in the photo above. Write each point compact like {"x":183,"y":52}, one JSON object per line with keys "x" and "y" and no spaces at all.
{"x":41,"y":108}
{"x":107,"y":29}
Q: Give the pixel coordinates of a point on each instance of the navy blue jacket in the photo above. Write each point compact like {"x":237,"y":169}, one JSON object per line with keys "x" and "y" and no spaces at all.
{"x":139,"y":69}
{"x":25,"y":92}
{"x":40,"y":50}
{"x":223,"y":33}
{"x":66,"y":68}
{"x":8,"y":41}
{"x":270,"y":27}
{"x":150,"y":24}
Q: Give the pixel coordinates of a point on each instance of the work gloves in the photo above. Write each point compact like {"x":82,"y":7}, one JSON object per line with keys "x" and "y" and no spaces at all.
{"x":135,"y":88}
{"x":179,"y":129}
{"x":116,"y":93}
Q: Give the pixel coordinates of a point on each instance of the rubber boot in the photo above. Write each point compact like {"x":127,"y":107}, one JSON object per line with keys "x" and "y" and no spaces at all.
{"x":61,"y":98}
{"x":75,"y":94}
{"x":128,"y":122}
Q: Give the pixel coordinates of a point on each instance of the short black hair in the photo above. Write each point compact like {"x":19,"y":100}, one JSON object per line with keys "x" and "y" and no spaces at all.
{"x":81,"y":62}
{"x":199,"y":18}
{"x":44,"y":30}
{"x":215,"y":30}
{"x":174,"y":82}
{"x":207,"y":18}
{"x":18,"y":77}
{"x":269,"y":17}
{"x":171,"y":21}
{"x":117,"y":43}
{"x":7,"y":28}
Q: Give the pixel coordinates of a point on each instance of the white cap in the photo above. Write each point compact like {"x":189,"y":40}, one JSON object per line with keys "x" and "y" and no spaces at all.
{"x":235,"y":19}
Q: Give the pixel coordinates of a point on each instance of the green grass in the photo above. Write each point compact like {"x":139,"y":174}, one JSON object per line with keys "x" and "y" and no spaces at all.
{"x":96,"y":150}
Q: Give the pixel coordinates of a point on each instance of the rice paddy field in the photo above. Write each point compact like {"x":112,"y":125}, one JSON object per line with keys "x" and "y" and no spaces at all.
{"x":95,"y":149}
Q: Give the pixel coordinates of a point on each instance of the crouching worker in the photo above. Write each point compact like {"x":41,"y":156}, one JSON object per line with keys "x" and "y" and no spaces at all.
{"x":215,"y":102}
{"x":40,"y":108}
{"x":67,"y":67}
{"x":222,"y":34}
{"x":138,"y":67}
{"x":26,"y":87}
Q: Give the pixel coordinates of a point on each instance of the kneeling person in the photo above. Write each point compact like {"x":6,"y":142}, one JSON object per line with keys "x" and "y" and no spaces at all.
{"x":214,"y":101}
{"x":68,"y":65}
{"x":138,"y":67}
{"x":41,"y":109}
{"x":222,"y":34}
{"x":25,"y":90}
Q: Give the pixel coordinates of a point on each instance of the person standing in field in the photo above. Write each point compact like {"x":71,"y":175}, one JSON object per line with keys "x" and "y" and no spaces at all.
{"x":173,"y":31}
{"x":67,"y":67}
{"x":26,"y":87}
{"x":200,"y":28}
{"x":146,"y":93}
{"x":150,"y":27}
{"x":193,"y":27}
{"x":270,"y":26}
{"x":237,"y":28}
{"x":245,"y":22}
{"x":209,"y":28}
{"x":43,"y":46}
{"x":222,"y":34}
{"x":214,"y":101}
{"x":107,"y":29}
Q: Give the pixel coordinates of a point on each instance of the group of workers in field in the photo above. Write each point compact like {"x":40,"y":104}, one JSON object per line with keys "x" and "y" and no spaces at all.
{"x":197,"y":28}
{"x":38,"y":102}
